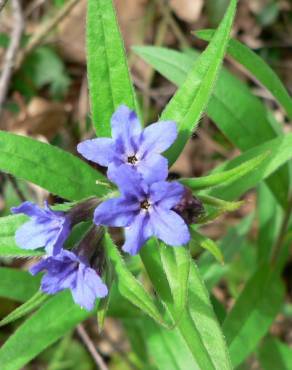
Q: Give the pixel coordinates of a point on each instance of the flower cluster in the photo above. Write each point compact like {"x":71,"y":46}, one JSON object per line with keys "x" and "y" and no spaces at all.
{"x":148,"y":206}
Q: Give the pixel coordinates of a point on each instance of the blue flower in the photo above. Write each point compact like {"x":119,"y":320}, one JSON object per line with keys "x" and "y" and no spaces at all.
{"x":144,"y":210}
{"x":68,"y":270}
{"x":47,"y":228}
{"x":133,"y":146}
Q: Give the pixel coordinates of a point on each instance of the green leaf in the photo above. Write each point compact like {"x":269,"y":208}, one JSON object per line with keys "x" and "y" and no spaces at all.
{"x":224,"y":177}
{"x":108,"y":74}
{"x":230,"y":246}
{"x":208,"y":244}
{"x":171,"y":265}
{"x":53,"y":320}
{"x":17,"y":284}
{"x":232,"y":107}
{"x":8,"y":247}
{"x":35,"y":301}
{"x":269,"y":220}
{"x":253,"y":313}
{"x":49,"y":167}
{"x":257,"y":67}
{"x":188,"y":104}
{"x":197,"y":324}
{"x":167,"y":348}
{"x":280,"y":153}
{"x":128,"y":286}
{"x":273,"y":354}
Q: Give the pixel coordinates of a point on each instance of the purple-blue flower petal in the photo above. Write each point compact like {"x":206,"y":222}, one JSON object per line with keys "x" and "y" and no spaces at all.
{"x":125,"y":125}
{"x":166,"y":194}
{"x":137,"y":233}
{"x":153,"y":168}
{"x":47,"y":228}
{"x":169,"y":227}
{"x":67,"y":270}
{"x":158,"y":137}
{"x":89,"y":286}
{"x":29,"y":209}
{"x":117,"y":212}
{"x":129,"y":181}
{"x":101,"y":150}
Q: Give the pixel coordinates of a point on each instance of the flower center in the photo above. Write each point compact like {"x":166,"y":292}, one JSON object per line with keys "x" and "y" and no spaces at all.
{"x":145,"y":205}
{"x":132,"y":159}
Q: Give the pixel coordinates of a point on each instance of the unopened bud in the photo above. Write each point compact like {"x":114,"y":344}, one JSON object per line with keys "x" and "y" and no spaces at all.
{"x":189,"y":207}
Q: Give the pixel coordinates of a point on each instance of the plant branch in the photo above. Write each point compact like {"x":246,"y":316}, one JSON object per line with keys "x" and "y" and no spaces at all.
{"x":9,"y":58}
{"x":91,"y":347}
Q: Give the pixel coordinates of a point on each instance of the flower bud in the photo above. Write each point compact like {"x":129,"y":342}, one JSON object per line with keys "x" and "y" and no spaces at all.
{"x":189,"y":207}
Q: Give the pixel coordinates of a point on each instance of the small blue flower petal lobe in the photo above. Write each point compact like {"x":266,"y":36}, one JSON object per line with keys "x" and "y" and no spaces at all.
{"x":117,"y":212}
{"x":137,"y":234}
{"x":125,"y":125}
{"x":101,"y":150}
{"x":29,"y":209}
{"x":169,"y":227}
{"x":89,"y":287}
{"x":68,"y":270}
{"x":47,"y":228}
{"x":166,"y":194}
{"x":153,"y":168}
{"x":34,"y":234}
{"x":128,"y":180}
{"x":158,"y":137}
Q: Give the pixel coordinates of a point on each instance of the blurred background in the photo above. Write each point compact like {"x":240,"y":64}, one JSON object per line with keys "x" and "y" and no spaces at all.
{"x":43,"y":94}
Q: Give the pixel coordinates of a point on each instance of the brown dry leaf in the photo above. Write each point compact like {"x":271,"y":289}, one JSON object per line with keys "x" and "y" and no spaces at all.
{"x":71,"y":34}
{"x":187,"y":10}
{"x":42,"y":117}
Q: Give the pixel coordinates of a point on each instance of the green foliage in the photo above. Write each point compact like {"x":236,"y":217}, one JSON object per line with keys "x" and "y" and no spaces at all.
{"x":232,"y":107}
{"x":108,"y":75}
{"x":197,"y":324}
{"x":253,"y":313}
{"x":188,"y":104}
{"x":128,"y":286}
{"x":17,"y":284}
{"x":257,"y":67}
{"x":54,"y":319}
{"x":49,"y":167}
{"x":273,"y":354}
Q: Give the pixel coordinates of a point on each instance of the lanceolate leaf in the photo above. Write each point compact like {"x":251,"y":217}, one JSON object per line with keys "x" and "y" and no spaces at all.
{"x":208,"y":244}
{"x":17,"y":284}
{"x":232,"y":107}
{"x":197,"y":325}
{"x":49,"y":167}
{"x":191,"y":99}
{"x":53,"y":320}
{"x":167,"y":347}
{"x":8,"y":247}
{"x":258,"y":67}
{"x":280,"y":153}
{"x":273,"y":354}
{"x":108,"y":75}
{"x":34,"y":302}
{"x":128,"y":286}
{"x":224,"y":177}
{"x":253,"y":313}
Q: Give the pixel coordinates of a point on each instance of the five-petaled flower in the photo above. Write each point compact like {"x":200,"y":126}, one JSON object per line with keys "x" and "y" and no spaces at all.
{"x":69,"y":270}
{"x":132,"y":145}
{"x":47,"y":228}
{"x":144,"y":210}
